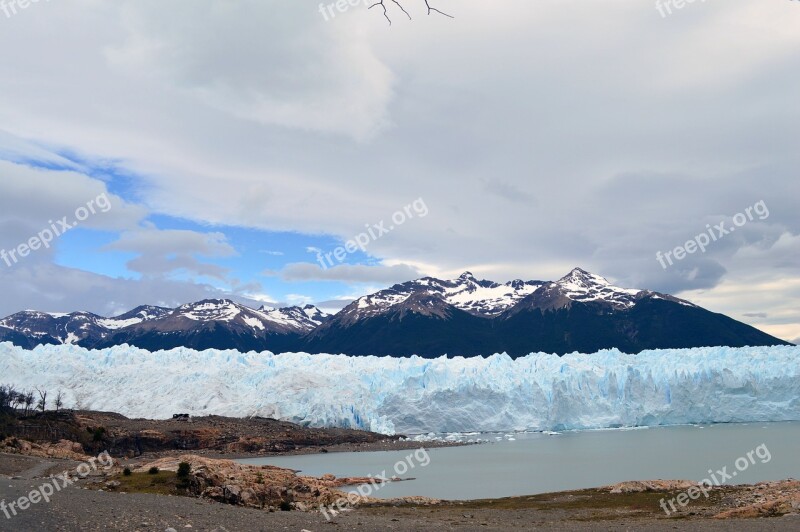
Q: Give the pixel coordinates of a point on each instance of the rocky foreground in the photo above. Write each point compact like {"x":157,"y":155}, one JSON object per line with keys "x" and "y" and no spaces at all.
{"x":142,"y":488}
{"x":219,"y":494}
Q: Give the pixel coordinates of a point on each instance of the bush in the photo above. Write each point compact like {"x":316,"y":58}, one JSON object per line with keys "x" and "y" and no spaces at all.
{"x":99,"y":433}
{"x":126,"y":472}
{"x":152,"y":471}
{"x":184,"y":468}
{"x":285,"y":506}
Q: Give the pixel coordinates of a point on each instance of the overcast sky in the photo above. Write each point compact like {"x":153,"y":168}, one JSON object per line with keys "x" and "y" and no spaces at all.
{"x":237,"y":140}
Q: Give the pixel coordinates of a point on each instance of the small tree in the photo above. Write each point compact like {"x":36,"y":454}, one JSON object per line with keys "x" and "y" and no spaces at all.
{"x":17,"y":398}
{"x":184,"y":468}
{"x":41,"y":404}
{"x":28,"y":401}
{"x":59,"y":400}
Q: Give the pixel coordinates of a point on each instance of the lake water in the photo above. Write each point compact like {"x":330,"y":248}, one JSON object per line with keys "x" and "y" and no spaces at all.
{"x":530,"y":463}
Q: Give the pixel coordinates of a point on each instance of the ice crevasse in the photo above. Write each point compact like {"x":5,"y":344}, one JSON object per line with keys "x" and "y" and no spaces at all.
{"x":417,"y":395}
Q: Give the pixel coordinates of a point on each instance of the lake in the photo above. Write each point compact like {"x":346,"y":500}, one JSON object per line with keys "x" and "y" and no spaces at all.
{"x":531,"y":463}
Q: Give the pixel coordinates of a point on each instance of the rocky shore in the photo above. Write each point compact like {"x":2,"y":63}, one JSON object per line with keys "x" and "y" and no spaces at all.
{"x":220,"y":495}
{"x":154,"y":484}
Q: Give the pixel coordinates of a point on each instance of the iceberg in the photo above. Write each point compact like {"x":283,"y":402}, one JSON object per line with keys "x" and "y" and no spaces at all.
{"x":541,"y":392}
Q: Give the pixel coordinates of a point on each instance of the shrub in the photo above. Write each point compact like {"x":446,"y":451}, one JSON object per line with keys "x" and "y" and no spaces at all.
{"x":184,"y":468}
{"x":126,"y":472}
{"x":285,"y":506}
{"x":98,"y":434}
{"x":152,"y":471}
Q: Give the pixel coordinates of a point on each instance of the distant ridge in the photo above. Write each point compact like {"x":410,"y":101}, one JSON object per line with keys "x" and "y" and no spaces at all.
{"x":428,"y":317}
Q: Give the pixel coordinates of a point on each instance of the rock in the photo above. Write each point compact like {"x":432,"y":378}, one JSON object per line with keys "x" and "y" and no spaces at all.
{"x":259,"y":486}
{"x":637,"y":486}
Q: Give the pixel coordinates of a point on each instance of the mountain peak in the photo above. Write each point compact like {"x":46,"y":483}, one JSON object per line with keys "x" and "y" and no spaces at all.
{"x":582,"y":276}
{"x":467,"y":276}
{"x":584,"y":286}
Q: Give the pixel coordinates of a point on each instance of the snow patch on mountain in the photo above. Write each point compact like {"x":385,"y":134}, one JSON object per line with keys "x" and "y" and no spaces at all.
{"x":466,"y":292}
{"x":210,"y":310}
{"x":580,"y":285}
{"x":413,"y":395}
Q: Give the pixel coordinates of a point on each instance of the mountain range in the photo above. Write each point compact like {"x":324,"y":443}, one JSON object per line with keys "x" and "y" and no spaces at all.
{"x":428,"y":317}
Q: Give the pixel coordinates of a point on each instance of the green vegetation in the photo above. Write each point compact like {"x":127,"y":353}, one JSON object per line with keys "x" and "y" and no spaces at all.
{"x":159,"y":483}
{"x":184,"y":468}
{"x":98,"y":434}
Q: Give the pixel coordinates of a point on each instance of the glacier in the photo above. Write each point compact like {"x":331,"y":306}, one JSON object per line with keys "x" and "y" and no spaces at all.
{"x":416,"y":395}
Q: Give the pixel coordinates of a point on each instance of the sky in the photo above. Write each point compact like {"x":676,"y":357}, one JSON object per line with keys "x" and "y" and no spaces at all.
{"x":238,"y":144}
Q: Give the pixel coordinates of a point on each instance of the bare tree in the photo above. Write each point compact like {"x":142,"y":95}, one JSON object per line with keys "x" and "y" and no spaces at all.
{"x":27,"y":400}
{"x":41,"y":404}
{"x":382,"y":4}
{"x":16,"y":398}
{"x":6,"y":395}
{"x":59,"y":400}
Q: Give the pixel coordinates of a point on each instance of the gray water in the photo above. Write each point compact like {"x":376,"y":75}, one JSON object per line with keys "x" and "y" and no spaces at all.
{"x":539,"y":463}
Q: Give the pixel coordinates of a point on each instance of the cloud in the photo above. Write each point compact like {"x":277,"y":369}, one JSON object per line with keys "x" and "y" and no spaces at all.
{"x":165,"y":251}
{"x":35,"y":196}
{"x":53,"y":288}
{"x":313,"y":69}
{"x":508,"y":192}
{"x":589,"y":151}
{"x":298,"y":299}
{"x":332,"y":306}
{"x":306,"y":271}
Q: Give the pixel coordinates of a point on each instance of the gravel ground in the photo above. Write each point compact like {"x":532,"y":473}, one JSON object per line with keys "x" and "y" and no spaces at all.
{"x":78,"y":509}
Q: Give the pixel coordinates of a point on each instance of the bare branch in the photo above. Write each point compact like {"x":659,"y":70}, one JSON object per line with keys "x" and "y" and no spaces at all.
{"x":385,"y":13}
{"x":434,"y":9}
{"x":382,"y":3}
{"x":402,"y":8}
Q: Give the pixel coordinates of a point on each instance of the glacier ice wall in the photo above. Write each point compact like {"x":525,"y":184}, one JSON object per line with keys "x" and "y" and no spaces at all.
{"x":412,"y":395}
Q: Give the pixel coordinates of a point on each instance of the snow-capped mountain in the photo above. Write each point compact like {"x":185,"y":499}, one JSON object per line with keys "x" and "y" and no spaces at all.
{"x":221,"y":324}
{"x":273,"y":320}
{"x":580,"y":286}
{"x":579,"y":312}
{"x":428,"y":317}
{"x":213,"y":321}
{"x":478,"y":297}
{"x":77,"y":327}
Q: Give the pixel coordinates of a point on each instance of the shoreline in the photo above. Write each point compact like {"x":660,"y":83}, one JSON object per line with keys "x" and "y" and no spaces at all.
{"x":629,"y":505}
{"x":357,"y":447}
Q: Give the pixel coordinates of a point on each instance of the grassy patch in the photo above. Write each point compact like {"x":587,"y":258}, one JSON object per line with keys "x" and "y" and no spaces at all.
{"x":584,"y":505}
{"x":161,"y":483}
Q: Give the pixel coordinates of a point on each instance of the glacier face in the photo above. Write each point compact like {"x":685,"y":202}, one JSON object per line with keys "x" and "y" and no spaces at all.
{"x":412,"y":395}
